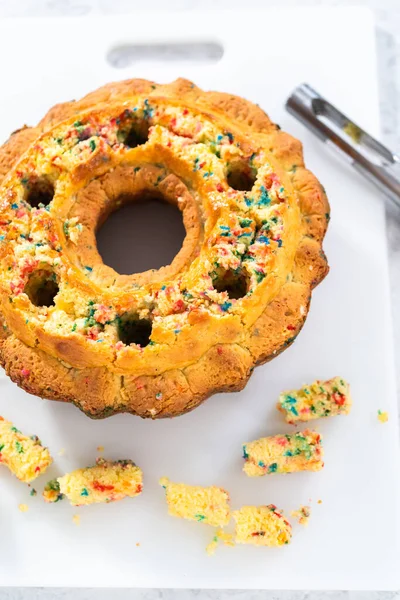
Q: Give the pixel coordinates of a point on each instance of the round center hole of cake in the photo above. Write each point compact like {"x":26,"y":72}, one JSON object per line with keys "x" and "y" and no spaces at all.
{"x":145,"y":233}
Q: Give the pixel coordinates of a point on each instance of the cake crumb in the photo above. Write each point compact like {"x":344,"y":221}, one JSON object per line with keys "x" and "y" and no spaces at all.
{"x":302,"y":515}
{"x":383,"y":416}
{"x":100,"y":448}
{"x":212,"y":546}
{"x":319,"y":501}
{"x":61,"y":452}
{"x":23,"y":507}
{"x":220,"y":536}
{"x":76,"y":519}
{"x":137,"y":543}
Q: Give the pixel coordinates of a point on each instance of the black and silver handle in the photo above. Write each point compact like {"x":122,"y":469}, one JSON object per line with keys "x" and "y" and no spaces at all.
{"x":368,"y":156}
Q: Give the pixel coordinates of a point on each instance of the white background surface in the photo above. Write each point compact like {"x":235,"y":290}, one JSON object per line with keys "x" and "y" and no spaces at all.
{"x":388,"y":66}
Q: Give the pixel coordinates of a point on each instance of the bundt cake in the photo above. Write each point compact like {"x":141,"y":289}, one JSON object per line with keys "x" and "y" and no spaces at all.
{"x":155,"y":343}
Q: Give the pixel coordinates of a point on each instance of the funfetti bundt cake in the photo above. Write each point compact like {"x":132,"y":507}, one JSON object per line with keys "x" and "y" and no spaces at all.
{"x":156,"y":343}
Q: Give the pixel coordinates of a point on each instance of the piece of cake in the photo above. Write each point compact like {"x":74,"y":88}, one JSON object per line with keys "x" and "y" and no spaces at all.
{"x":24,"y":456}
{"x":107,"y":481}
{"x":261,"y":526}
{"x":208,"y":505}
{"x":286,"y":453}
{"x":320,"y":399}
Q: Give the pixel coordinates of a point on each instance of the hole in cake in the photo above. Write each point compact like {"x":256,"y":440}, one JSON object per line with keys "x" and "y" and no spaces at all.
{"x":235,"y":284}
{"x":42,"y":287}
{"x":133,"y":133}
{"x":241,"y":176}
{"x":132,"y":330}
{"x":145,"y":233}
{"x":40,"y":191}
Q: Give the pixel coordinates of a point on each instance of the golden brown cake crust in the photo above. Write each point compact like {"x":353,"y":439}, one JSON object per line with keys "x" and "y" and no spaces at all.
{"x":208,"y":331}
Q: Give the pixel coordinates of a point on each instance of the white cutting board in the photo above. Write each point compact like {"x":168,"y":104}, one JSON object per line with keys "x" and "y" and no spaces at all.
{"x":350,"y":541}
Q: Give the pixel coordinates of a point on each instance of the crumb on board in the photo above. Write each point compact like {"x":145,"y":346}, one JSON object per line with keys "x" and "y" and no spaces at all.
{"x":212,"y":546}
{"x":319,"y":501}
{"x":51,"y":492}
{"x":76,"y":519}
{"x":23,"y":507}
{"x":302,"y":514}
{"x":100,"y":448}
{"x":137,"y":543}
{"x":383,"y":416}
{"x":220,"y":536}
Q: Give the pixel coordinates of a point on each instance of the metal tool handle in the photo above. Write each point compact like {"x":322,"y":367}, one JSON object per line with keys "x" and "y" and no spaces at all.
{"x":371,"y":158}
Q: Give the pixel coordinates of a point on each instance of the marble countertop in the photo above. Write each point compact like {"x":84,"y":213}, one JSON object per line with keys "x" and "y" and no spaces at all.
{"x":387,"y":14}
